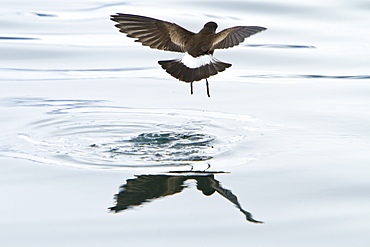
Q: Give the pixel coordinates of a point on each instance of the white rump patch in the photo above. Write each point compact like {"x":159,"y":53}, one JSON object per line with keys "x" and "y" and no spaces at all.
{"x":196,"y":62}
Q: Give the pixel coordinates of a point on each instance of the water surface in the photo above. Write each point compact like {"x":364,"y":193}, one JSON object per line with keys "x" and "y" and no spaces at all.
{"x":87,"y":114}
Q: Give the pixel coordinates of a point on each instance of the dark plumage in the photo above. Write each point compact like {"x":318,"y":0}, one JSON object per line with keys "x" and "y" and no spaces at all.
{"x":199,"y":62}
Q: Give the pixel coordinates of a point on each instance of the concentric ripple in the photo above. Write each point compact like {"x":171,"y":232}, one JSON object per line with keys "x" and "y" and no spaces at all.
{"x":116,"y":137}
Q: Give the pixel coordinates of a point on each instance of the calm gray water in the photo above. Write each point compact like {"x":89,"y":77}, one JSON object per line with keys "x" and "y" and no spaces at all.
{"x":100,"y":146}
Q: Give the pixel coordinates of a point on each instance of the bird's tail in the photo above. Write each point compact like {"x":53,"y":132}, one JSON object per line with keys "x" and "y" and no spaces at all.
{"x":191,"y":69}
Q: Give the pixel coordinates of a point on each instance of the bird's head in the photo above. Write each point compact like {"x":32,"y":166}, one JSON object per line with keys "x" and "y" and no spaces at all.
{"x":211,"y":25}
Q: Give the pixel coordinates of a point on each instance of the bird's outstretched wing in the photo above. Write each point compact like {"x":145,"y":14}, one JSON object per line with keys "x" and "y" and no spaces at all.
{"x":234,"y":36}
{"x":154,"y":33}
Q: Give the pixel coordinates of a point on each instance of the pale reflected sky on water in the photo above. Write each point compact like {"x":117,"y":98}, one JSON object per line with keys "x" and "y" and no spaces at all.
{"x":84,"y":110}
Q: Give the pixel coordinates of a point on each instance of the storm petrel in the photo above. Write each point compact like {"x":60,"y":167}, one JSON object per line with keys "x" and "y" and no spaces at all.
{"x":198,"y":62}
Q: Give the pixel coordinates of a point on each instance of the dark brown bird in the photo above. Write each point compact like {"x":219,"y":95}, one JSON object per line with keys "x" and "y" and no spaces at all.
{"x":198,"y":62}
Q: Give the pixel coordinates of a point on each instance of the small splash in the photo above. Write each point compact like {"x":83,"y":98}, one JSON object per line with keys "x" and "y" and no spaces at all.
{"x":170,"y":139}
{"x":88,"y":134}
{"x":178,"y":148}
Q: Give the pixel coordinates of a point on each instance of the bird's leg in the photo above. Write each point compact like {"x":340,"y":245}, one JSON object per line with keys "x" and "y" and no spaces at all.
{"x":191,"y":87}
{"x":209,"y":166}
{"x":207,"y":88}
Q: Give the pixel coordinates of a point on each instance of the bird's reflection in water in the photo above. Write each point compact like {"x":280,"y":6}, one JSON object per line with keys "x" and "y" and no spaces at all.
{"x":146,"y":188}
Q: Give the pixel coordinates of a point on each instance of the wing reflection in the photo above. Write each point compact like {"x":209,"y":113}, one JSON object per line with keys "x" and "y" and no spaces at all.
{"x":146,"y":188}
